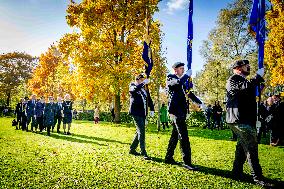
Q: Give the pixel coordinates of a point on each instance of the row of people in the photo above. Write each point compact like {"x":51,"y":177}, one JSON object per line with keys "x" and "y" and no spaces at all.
{"x":240,"y":116}
{"x":44,"y":115}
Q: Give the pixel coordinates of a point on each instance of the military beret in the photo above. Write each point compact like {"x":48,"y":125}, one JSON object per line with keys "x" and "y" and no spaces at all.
{"x":239,"y":63}
{"x":139,"y":76}
{"x":177,"y":64}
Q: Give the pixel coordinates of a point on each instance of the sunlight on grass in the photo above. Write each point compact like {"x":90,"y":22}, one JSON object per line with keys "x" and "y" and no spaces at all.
{"x":96,"y":156}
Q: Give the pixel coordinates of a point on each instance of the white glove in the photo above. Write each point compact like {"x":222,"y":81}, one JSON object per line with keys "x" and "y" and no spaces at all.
{"x":146,"y":81}
{"x":187,"y":116}
{"x":203,"y":107}
{"x":152,"y":114}
{"x":268,"y":119}
{"x":146,"y":122}
{"x":189,"y":72}
{"x":260,"y":72}
{"x":172,"y":117}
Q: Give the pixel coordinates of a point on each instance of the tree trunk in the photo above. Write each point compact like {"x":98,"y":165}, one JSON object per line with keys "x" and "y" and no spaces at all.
{"x":8,"y":99}
{"x":117,"y":108}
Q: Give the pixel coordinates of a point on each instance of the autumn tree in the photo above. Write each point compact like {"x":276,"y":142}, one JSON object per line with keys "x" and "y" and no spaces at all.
{"x":51,"y":76}
{"x":274,"y":47}
{"x":227,"y":42}
{"x":15,"y":69}
{"x":105,"y":49}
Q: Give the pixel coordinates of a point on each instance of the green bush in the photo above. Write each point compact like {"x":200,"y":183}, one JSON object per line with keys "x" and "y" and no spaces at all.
{"x":104,"y":116}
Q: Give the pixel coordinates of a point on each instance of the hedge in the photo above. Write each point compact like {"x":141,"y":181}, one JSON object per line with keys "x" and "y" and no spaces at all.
{"x":196,"y":119}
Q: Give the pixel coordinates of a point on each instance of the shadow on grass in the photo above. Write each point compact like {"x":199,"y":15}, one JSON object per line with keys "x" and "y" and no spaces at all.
{"x":99,"y":139}
{"x":73,"y":139}
{"x":227,"y":174}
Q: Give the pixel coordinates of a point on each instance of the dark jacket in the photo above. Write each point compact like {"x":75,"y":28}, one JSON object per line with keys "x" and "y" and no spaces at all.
{"x":216,"y":109}
{"x":178,"y":104}
{"x":18,"y":109}
{"x":241,"y":99}
{"x":58,"y":108}
{"x":49,"y":112}
{"x":31,"y":108}
{"x":67,"y":107}
{"x":39,"y":108}
{"x":140,"y":99}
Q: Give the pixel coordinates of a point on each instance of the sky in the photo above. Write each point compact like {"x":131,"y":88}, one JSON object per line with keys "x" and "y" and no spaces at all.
{"x":33,"y":25}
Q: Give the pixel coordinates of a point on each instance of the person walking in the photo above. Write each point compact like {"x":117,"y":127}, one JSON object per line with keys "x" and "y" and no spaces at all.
{"x":178,"y":110}
{"x":140,"y":99}
{"x":241,"y":118}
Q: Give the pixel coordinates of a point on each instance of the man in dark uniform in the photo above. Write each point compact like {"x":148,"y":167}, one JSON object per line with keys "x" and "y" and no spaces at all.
{"x":18,"y":112}
{"x":24,"y":114}
{"x":208,"y":113}
{"x":58,"y":114}
{"x":39,"y":109}
{"x":139,"y":101}
{"x":217,"y":115}
{"x":178,"y":109}
{"x":31,"y":113}
{"x":241,"y":118}
{"x":49,"y":112}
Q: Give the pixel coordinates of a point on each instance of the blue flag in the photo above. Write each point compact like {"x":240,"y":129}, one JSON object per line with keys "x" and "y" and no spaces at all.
{"x":190,"y":35}
{"x":188,"y":83}
{"x":257,"y":27}
{"x":147,"y":57}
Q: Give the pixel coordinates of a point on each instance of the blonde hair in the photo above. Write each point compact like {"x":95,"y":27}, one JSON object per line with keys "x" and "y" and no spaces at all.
{"x":67,"y":95}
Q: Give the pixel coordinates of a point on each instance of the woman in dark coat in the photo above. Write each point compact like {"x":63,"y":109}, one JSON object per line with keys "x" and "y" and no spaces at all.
{"x":67,"y":112}
{"x":49,"y":113}
{"x":39,"y":108}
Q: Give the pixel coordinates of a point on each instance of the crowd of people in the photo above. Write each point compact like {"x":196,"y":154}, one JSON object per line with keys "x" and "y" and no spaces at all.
{"x":271,"y":116}
{"x":38,"y":114}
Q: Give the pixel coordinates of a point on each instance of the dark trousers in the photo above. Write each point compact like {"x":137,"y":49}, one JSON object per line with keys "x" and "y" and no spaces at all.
{"x":57,"y":120}
{"x":31,"y":119}
{"x":165,"y":124}
{"x":261,"y":132}
{"x":39,"y":121}
{"x":139,"y":136}
{"x":217,"y":121}
{"x":24,"y":122}
{"x":48,"y":128}
{"x":246,"y":149}
{"x":19,"y":122}
{"x":179,"y":133}
{"x":208,"y":120}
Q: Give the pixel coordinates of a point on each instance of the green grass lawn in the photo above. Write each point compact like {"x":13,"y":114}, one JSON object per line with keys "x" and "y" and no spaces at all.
{"x":97,"y":157}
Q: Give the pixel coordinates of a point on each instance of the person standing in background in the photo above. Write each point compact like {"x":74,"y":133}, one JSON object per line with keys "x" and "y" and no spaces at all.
{"x":67,"y":112}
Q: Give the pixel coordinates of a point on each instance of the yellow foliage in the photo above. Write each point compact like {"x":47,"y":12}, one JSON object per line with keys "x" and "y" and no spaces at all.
{"x":274,"y":47}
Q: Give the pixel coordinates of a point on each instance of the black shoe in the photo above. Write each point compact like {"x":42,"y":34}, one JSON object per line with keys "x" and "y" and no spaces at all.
{"x":68,"y":133}
{"x":133,"y":152}
{"x":190,"y":167}
{"x":262,"y":182}
{"x":58,"y":132}
{"x":48,"y":134}
{"x":171,"y":161}
{"x":65,"y":133}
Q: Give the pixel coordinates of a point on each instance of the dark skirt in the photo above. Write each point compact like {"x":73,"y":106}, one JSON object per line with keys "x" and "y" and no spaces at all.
{"x":67,"y":118}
